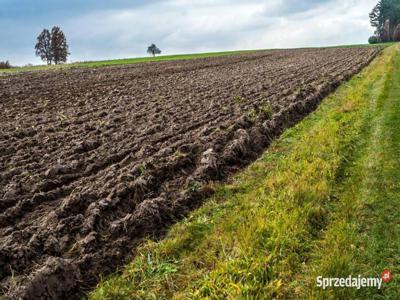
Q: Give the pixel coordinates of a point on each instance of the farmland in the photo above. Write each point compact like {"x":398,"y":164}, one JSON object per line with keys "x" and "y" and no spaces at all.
{"x":93,"y":161}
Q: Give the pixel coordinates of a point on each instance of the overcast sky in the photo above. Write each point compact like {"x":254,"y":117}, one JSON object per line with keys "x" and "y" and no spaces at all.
{"x":105,"y":29}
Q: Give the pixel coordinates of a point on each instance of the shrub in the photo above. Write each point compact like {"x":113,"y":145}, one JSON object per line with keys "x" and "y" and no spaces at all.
{"x":374,"y":40}
{"x":5,"y":65}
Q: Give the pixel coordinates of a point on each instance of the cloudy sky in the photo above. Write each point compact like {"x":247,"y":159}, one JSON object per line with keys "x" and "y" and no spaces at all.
{"x":105,"y":29}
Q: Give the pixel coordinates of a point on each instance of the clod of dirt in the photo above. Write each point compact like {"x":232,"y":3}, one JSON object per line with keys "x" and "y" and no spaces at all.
{"x":57,"y":279}
{"x":87,"y":146}
{"x":56,"y":170}
{"x":208,"y":168}
{"x":238,"y":147}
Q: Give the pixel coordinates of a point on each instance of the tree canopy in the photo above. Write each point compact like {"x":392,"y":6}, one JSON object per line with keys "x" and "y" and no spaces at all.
{"x":153,"y":50}
{"x":43,"y":46}
{"x":52,"y":46}
{"x":385,"y":17}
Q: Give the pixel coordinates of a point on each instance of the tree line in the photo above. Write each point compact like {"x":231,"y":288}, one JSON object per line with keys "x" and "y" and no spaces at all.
{"x":385,"y":18}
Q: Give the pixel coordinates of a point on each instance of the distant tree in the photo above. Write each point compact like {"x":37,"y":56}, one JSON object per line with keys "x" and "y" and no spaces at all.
{"x":153,"y":50}
{"x":5,"y":65}
{"x":43,"y":46}
{"x":59,"y":46}
{"x":52,"y":46}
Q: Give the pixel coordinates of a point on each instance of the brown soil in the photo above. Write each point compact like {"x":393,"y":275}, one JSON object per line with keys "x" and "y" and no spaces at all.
{"x":92,"y":161}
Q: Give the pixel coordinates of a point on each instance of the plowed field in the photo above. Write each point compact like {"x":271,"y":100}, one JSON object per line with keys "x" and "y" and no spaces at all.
{"x":94,"y":160}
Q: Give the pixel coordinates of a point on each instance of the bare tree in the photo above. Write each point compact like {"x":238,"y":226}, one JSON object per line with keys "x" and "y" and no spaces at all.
{"x":153,"y":50}
{"x":43,"y":46}
{"x":59,"y":45}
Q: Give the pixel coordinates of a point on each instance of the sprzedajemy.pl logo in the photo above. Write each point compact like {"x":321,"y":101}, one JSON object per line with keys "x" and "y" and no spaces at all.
{"x":354,"y":282}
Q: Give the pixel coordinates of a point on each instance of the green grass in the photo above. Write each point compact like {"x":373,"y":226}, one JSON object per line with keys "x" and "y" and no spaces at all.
{"x":364,"y":234}
{"x":322,"y":200}
{"x":385,"y":45}
{"x":128,"y":61}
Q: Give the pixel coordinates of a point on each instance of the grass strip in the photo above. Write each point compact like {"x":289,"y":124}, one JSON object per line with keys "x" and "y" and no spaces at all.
{"x":363,"y":237}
